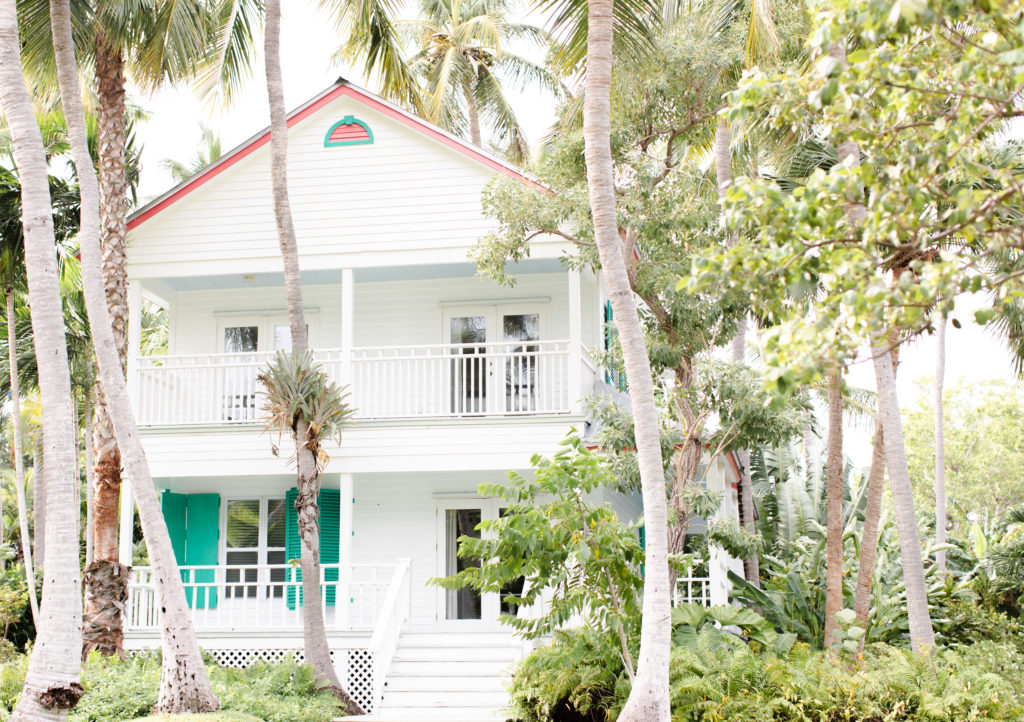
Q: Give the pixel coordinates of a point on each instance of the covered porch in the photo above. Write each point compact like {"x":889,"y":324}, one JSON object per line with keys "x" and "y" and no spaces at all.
{"x":431,"y":342}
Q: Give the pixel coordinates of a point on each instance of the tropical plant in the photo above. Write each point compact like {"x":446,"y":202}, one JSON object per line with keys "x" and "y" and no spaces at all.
{"x":301,"y":401}
{"x":185,"y":684}
{"x":51,"y":684}
{"x":466,"y":66}
{"x":208,"y":151}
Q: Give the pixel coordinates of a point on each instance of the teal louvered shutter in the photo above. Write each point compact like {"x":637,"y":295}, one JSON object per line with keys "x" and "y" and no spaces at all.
{"x":173,"y":507}
{"x":329,"y":501}
{"x":612,"y":376}
{"x":202,"y":537}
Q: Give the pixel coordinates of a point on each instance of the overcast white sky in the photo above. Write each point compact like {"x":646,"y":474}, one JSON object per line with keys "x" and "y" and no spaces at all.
{"x":309,"y":40}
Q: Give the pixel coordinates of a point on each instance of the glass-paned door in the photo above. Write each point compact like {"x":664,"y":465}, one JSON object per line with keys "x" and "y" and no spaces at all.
{"x":521,"y":360}
{"x":238,"y":396}
{"x":255,"y":538}
{"x":458,"y":519}
{"x":470,"y":368}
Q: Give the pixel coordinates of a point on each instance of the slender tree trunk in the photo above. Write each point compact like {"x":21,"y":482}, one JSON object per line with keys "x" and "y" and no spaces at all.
{"x":921,"y":633}
{"x":474,"y":119}
{"x":834,"y":511}
{"x":649,"y":697}
{"x":317,"y":651}
{"x":106,"y":578}
{"x":184,"y":684}
{"x":39,"y":501}
{"x":723,"y":174}
{"x":18,"y":451}
{"x":89,"y":460}
{"x":872,"y":512}
{"x":940,"y":449}
{"x":51,"y":684}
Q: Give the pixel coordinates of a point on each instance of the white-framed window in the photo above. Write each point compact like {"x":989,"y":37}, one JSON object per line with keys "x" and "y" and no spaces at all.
{"x":259,"y":333}
{"x":254,"y":539}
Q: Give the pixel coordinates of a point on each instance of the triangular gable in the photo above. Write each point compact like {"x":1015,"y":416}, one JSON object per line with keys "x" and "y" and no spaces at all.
{"x":342,"y":88}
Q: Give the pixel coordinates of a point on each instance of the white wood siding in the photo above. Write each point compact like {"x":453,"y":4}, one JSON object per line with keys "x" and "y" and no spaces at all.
{"x":403,"y":199}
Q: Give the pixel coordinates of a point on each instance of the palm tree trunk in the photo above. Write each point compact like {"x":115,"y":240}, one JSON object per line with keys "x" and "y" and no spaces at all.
{"x":473,"y":113}
{"x":38,"y":501}
{"x":51,"y":684}
{"x":723,"y":174}
{"x":106,"y":578}
{"x":89,"y":460}
{"x":19,"y":455}
{"x":317,"y":651}
{"x":872,"y":513}
{"x":649,"y":697}
{"x":184,"y":684}
{"x":921,"y":632}
{"x":834,"y":511}
{"x":940,"y":449}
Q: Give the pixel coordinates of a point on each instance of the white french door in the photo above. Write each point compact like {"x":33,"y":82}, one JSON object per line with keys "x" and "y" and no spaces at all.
{"x":494,"y":368}
{"x":465,"y":607}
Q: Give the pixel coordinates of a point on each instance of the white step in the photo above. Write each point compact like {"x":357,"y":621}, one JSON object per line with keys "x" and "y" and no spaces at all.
{"x":459,"y":639}
{"x":444,"y":684}
{"x":416,"y":714}
{"x":443,"y":700}
{"x":450,"y":668}
{"x":457,"y":654}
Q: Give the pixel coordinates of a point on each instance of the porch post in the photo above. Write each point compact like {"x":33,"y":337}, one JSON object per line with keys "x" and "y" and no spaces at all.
{"x":127,"y":521}
{"x":348,"y":301}
{"x":575,"y":343}
{"x":719,"y":561}
{"x":346,"y":498}
{"x":134,"y":338}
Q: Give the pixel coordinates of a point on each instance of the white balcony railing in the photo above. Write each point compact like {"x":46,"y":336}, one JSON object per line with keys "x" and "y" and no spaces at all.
{"x":692,"y":589}
{"x":260,"y":598}
{"x":385,"y":382}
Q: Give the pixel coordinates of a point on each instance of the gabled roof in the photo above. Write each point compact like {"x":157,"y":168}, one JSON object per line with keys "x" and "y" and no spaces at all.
{"x":340,"y":88}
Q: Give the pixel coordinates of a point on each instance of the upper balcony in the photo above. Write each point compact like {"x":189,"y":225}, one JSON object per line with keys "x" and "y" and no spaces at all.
{"x":418,"y":342}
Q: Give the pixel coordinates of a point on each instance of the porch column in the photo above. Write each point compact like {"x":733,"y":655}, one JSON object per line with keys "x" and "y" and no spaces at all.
{"x":127,"y":521}
{"x":348,"y":301}
{"x":346,"y":498}
{"x":575,"y":343}
{"x":719,"y":561}
{"x":134,"y":339}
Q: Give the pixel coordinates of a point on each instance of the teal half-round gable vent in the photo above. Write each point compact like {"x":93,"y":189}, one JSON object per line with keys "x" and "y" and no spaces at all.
{"x":348,"y":131}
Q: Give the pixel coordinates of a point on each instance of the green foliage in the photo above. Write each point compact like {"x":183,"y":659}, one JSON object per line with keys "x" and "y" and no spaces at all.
{"x":554,"y":537}
{"x":16,"y":628}
{"x":695,"y":626}
{"x":984,"y":450}
{"x":117,"y":690}
{"x":715,"y":682}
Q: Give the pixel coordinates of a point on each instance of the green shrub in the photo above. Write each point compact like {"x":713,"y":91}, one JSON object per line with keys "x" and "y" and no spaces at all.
{"x":281,"y":692}
{"x":577,"y":678}
{"x":117,"y":690}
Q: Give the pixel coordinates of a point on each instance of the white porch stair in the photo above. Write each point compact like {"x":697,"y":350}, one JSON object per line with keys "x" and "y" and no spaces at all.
{"x":459,"y":676}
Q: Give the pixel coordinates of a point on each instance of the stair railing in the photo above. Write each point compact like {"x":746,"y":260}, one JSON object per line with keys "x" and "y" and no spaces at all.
{"x":393,"y":615}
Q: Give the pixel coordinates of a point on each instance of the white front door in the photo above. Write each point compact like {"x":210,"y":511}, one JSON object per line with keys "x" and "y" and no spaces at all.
{"x":465,"y":607}
{"x":494,"y":369}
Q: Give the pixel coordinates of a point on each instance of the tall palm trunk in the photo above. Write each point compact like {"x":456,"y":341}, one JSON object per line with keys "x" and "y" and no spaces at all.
{"x":184,"y":684}
{"x":38,"y":501}
{"x":89,"y":477}
{"x":723,"y":174}
{"x":834,"y":510}
{"x":649,"y":698}
{"x":51,"y":684}
{"x":473,"y":114}
{"x":314,"y":634}
{"x":19,"y":455}
{"x":940,"y":449}
{"x":921,"y":632}
{"x":106,"y":578}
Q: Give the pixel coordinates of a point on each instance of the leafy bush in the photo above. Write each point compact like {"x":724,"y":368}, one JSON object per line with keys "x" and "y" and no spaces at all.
{"x":572,"y":681}
{"x":117,"y":690}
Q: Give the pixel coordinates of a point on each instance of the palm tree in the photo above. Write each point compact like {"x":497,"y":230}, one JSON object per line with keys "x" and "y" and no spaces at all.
{"x":940,"y":448}
{"x":161,"y":44}
{"x":648,"y":699}
{"x":466,"y":67}
{"x":51,"y":682}
{"x":314,"y":632}
{"x":209,"y":150}
{"x":185,"y":686}
{"x":64,"y":201}
{"x":834,"y":510}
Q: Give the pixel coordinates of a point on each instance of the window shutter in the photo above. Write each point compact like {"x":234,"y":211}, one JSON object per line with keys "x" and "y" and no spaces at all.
{"x":202,"y":534}
{"x":612,"y":377}
{"x":329,"y":501}
{"x":173,"y":507}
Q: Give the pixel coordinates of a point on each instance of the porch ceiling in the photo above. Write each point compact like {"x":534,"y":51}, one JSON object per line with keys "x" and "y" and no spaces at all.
{"x":362,"y":275}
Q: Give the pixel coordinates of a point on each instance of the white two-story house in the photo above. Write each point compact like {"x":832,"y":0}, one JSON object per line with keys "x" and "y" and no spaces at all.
{"x":456,"y":381}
